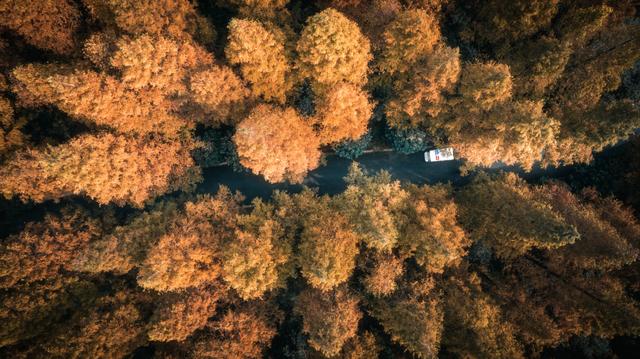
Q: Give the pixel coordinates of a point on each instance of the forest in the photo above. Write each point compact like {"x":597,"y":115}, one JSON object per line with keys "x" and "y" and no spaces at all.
{"x":111,"y":110}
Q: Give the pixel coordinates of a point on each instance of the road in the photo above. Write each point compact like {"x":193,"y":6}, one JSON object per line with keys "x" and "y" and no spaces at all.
{"x":329,"y":178}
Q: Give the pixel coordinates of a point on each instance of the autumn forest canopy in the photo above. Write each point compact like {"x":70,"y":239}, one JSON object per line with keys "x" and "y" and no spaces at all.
{"x":111,"y":109}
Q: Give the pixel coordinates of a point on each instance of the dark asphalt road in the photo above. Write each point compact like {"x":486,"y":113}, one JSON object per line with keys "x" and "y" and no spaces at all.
{"x":329,"y":178}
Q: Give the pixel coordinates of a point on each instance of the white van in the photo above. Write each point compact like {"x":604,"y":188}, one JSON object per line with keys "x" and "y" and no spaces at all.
{"x":439,"y":154}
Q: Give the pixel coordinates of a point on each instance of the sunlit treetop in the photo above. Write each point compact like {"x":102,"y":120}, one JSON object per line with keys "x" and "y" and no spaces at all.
{"x":277,"y":144}
{"x":407,"y":39}
{"x":259,"y":50}
{"x":49,"y":25}
{"x":331,"y":49}
{"x":173,"y":18}
{"x":343,"y":113}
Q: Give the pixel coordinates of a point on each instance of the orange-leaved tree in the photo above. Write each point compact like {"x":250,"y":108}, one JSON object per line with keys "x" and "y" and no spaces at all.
{"x":259,"y":50}
{"x":107,"y":168}
{"x":49,"y":25}
{"x":277,"y":144}
{"x":329,"y":318}
{"x":342,"y":113}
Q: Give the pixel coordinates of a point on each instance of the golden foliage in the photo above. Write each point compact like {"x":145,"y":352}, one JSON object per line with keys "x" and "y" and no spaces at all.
{"x":277,"y":144}
{"x":329,"y":318}
{"x":112,"y":328}
{"x":189,"y":254}
{"x":501,"y":23}
{"x":363,"y":346}
{"x":97,"y":98}
{"x":411,"y":36}
{"x":158,"y":63}
{"x":373,"y":205}
{"x":222,"y":95}
{"x":49,"y":25}
{"x":413,"y":322}
{"x":419,"y":92}
{"x":431,"y":232}
{"x":328,"y":247}
{"x":241,"y":333}
{"x":332,"y":49}
{"x":127,"y":246}
{"x":503,"y":213}
{"x":257,"y":259}
{"x":28,"y":310}
{"x":11,"y":135}
{"x":179,"y":315}
{"x":342,"y":113}
{"x":107,"y":168}
{"x":486,"y":84}
{"x":475,"y":326}
{"x":260,"y":9}
{"x":42,"y":249}
{"x":515,"y":133}
{"x":98,"y":48}
{"x":382,"y":277}
{"x":173,"y":18}
{"x":260,"y":52}
{"x":601,"y":245}
{"x":372,"y":16}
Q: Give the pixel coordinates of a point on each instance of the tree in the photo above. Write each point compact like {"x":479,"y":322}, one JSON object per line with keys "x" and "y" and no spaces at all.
{"x":332,"y":49}
{"x":328,"y":318}
{"x":258,"y":258}
{"x":127,"y":245}
{"x":419,"y":92}
{"x":407,"y":141}
{"x":601,"y":246}
{"x":383,"y":272}
{"x":342,"y":113}
{"x":221,"y":94}
{"x":373,"y":205}
{"x":503,"y":214}
{"x":179,"y":315}
{"x":431,"y":232}
{"x":548,"y":307}
{"x":412,"y":320}
{"x":112,"y":327}
{"x":501,"y":23}
{"x":98,"y":99}
{"x":42,"y":249}
{"x":372,"y":16}
{"x":410,"y":37}
{"x":486,"y":84}
{"x":351,"y":149}
{"x":260,"y":52}
{"x":260,"y":9}
{"x":49,"y":25}
{"x":11,"y":128}
{"x":474,"y":324}
{"x":277,"y":144}
{"x":189,"y":255}
{"x":107,"y":168}
{"x":517,"y":132}
{"x":243,"y":332}
{"x":28,"y":310}
{"x":173,"y":18}
{"x":328,"y":246}
{"x":158,"y":63}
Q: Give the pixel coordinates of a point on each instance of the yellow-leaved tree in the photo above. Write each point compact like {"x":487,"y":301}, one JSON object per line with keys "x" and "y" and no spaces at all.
{"x":259,"y":50}
{"x":331,"y":49}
